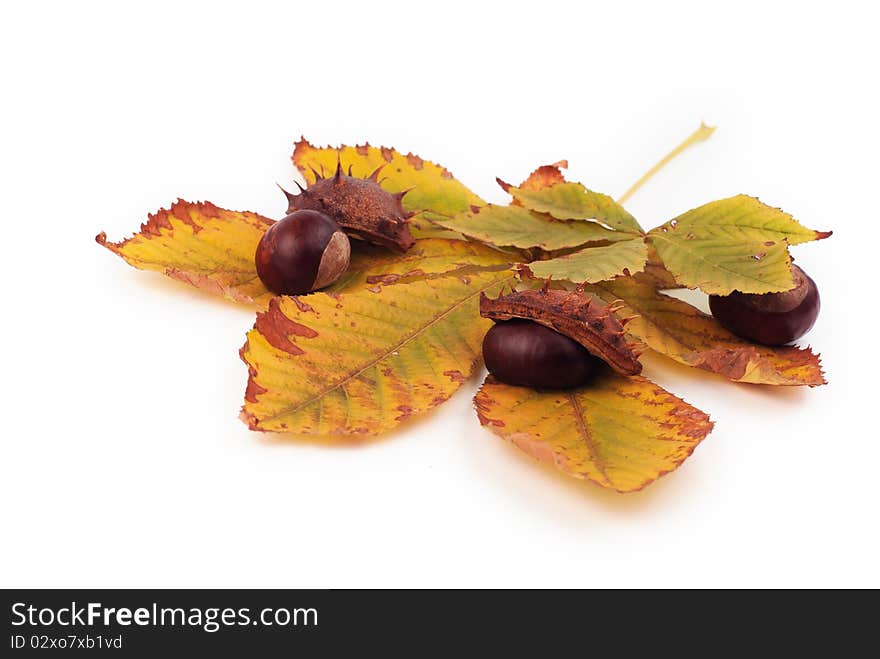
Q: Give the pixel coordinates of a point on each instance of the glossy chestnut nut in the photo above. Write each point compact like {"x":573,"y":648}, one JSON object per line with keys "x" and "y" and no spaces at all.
{"x":773,"y":319}
{"x":302,"y":253}
{"x":524,"y":353}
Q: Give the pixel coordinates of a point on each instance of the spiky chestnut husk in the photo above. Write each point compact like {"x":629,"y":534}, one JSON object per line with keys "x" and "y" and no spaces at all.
{"x":773,"y":319}
{"x":360,"y":206}
{"x":574,"y":315}
{"x":302,"y":253}
{"x":526,"y":354}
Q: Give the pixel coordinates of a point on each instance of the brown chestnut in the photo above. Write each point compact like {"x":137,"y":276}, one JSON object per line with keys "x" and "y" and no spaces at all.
{"x":302,"y":253}
{"x":524,"y":353}
{"x":773,"y":319}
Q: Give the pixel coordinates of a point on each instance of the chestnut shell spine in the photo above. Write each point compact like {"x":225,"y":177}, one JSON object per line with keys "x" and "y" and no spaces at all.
{"x":360,"y":206}
{"x":589,"y":322}
{"x":773,"y":319}
{"x":524,"y":353}
{"x":301,"y":253}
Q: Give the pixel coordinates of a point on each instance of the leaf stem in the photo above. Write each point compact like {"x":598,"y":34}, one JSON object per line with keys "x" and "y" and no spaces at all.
{"x":702,"y":133}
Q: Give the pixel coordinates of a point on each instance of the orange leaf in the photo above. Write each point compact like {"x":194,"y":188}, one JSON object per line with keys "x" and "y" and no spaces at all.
{"x":620,"y":432}
{"x":545,"y":176}
{"x":680,"y":331}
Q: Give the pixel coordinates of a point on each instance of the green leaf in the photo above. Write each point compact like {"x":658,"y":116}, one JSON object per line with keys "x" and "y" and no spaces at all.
{"x":514,"y":226}
{"x":735,"y":244}
{"x":593,"y":264}
{"x":572,"y":201}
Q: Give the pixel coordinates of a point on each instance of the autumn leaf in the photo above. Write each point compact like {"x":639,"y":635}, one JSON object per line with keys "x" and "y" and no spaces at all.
{"x":433,"y":192}
{"x":572,"y":201}
{"x":680,"y":331}
{"x":734,"y":244}
{"x":514,"y":226}
{"x":372,"y":266}
{"x":213,"y":249}
{"x":620,"y":432}
{"x":364,"y":361}
{"x":655,"y":272}
{"x":593,"y":264}
{"x":198,"y":243}
{"x":545,"y":176}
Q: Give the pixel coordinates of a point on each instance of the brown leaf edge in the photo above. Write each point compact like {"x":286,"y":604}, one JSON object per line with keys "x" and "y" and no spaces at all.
{"x":545,"y":176}
{"x":388,"y":154}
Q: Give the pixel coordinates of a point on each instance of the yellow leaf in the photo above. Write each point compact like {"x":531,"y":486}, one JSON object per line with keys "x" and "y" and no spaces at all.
{"x":572,"y":201}
{"x":734,"y":244}
{"x":656,"y":273}
{"x":434,"y":192}
{"x":620,"y":432}
{"x":198,"y":243}
{"x":514,"y":226}
{"x":593,"y":264}
{"x":213,"y":249}
{"x":373,"y":266}
{"x":687,"y":335}
{"x":362,"y":362}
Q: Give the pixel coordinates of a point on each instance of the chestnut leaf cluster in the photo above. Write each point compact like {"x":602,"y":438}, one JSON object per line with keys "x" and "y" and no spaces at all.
{"x":386,"y":280}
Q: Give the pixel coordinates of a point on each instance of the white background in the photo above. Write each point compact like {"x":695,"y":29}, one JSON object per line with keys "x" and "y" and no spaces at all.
{"x":124,"y":462}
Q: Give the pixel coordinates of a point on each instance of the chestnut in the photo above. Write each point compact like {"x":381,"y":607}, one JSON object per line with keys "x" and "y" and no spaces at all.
{"x":524,"y":353}
{"x":301,"y":253}
{"x":773,"y":319}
